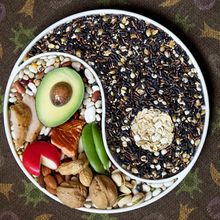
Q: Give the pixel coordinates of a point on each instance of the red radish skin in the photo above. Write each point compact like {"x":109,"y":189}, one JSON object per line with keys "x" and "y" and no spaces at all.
{"x":38,"y":153}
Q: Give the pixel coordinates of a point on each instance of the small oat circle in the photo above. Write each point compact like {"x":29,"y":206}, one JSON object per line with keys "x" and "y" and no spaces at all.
{"x":152,"y":129}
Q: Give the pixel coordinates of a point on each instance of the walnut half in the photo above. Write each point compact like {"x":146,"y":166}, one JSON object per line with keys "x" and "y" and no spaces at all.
{"x":72,"y":194}
{"x":103,"y":192}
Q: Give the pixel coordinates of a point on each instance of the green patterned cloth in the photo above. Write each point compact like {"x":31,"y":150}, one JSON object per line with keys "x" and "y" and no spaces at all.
{"x":196,"y":22}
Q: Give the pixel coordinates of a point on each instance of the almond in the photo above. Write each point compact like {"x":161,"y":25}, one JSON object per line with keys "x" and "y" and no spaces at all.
{"x":19,"y":87}
{"x":59,"y":178}
{"x":95,"y":96}
{"x":52,"y":191}
{"x":50,"y":181}
{"x":45,"y":171}
{"x":41,"y":181}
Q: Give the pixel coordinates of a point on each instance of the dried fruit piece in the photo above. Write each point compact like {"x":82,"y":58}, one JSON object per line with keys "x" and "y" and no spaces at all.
{"x":66,"y":136}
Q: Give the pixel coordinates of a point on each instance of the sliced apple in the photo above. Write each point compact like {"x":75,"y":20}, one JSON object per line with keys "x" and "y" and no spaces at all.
{"x":38,"y":153}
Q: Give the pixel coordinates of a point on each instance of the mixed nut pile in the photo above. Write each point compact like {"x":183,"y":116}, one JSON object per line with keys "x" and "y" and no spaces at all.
{"x":69,"y":159}
{"x":140,"y":67}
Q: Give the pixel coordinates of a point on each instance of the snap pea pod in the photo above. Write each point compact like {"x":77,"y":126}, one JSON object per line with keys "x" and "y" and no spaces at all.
{"x":99,"y":146}
{"x":90,"y":150}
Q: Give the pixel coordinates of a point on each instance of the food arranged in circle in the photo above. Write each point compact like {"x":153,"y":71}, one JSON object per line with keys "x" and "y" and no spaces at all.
{"x":154,"y":112}
{"x":140,"y":67}
{"x":55,"y":113}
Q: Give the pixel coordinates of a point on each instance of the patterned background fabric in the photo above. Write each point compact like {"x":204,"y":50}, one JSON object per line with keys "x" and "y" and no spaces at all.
{"x":196,"y":22}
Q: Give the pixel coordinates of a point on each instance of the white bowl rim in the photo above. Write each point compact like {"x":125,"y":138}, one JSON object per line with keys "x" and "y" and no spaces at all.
{"x":183,"y":173}
{"x":19,"y":162}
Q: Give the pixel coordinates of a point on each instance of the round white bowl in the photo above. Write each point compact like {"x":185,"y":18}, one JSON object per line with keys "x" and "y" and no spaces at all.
{"x":180,"y":176}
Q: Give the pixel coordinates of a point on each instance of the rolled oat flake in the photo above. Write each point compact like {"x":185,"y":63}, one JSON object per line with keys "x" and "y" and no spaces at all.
{"x":152,"y":129}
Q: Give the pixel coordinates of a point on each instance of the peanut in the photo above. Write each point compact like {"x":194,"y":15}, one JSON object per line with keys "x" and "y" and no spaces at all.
{"x":50,"y":181}
{"x":86,"y":176}
{"x":71,"y":168}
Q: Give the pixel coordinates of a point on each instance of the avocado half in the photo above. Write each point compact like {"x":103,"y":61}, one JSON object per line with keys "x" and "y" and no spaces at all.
{"x":52,"y":114}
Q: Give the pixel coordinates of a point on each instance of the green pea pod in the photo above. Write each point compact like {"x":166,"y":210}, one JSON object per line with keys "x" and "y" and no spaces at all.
{"x":90,"y":150}
{"x":99,"y":146}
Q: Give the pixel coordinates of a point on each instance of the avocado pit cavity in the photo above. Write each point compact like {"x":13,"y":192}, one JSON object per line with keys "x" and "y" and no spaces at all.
{"x":61,"y":93}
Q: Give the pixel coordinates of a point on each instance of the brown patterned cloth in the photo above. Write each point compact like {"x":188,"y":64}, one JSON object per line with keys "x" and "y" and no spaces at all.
{"x":196,"y":22}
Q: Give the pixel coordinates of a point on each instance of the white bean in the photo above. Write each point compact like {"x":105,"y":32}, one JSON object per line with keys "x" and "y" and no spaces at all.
{"x":168,"y":184}
{"x":90,"y":114}
{"x":33,"y":69}
{"x":86,"y":101}
{"x":25,"y":77}
{"x":98,"y":118}
{"x":65,"y":60}
{"x":21,"y":74}
{"x":42,"y":130}
{"x":50,"y":62}
{"x":76,"y":66}
{"x":29,"y":92}
{"x":32,"y":87}
{"x":47,"y":131}
{"x":98,"y":104}
{"x":90,"y":104}
{"x":148,"y":196}
{"x":146,"y":188}
{"x":91,"y":81}
{"x":99,"y":110}
{"x":12,"y":100}
{"x":31,"y":75}
{"x":48,"y":69}
{"x":26,"y":71}
{"x":156,"y":192}
{"x":156,"y":185}
{"x":95,"y":88}
{"x":13,"y":90}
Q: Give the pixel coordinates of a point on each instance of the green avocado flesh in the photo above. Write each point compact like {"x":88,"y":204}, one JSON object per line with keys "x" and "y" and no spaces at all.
{"x":99,"y":146}
{"x":90,"y":149}
{"x":50,"y":114}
